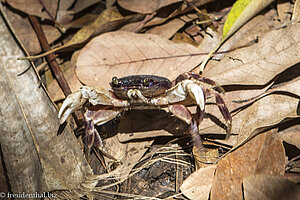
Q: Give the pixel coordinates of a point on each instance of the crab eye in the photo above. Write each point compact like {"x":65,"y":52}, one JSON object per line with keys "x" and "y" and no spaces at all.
{"x":146,"y":81}
{"x":115,"y":81}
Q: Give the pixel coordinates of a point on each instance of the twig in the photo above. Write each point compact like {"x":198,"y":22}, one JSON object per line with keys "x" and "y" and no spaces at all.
{"x":52,"y":61}
{"x":51,"y":57}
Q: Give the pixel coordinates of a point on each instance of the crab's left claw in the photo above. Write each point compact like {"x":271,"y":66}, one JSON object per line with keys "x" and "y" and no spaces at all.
{"x":180,"y":93}
{"x":197,"y":93}
{"x":71,"y":103}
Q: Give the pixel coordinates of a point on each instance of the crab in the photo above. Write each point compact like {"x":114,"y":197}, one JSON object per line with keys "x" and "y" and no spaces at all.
{"x":145,"y":92}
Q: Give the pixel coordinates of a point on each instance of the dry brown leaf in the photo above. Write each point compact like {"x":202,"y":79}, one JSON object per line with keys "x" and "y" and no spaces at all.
{"x":197,"y":186}
{"x":183,"y":38}
{"x":34,"y":7}
{"x":125,"y":137}
{"x":267,"y":111}
{"x":262,"y":154}
{"x":145,"y":6}
{"x":167,"y":30}
{"x":124,"y":53}
{"x":108,"y":20}
{"x":255,"y":28}
{"x":243,"y":96}
{"x":182,"y":9}
{"x":82,"y":21}
{"x":26,"y":33}
{"x":86,"y":32}
{"x":259,"y":63}
{"x":270,"y":188}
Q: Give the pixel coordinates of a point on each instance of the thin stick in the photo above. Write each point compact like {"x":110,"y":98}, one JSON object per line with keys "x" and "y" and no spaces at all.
{"x":52,"y":61}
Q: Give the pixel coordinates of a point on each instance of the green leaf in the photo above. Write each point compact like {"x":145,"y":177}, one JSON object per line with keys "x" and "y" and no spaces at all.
{"x":241,"y":12}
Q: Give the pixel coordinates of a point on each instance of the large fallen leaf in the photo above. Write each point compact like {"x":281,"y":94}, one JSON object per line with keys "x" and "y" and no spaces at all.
{"x":124,"y":53}
{"x":138,"y":125}
{"x":264,"y":154}
{"x":36,"y":158}
{"x":197,"y":186}
{"x":145,"y":6}
{"x":261,"y":62}
{"x":270,"y":188}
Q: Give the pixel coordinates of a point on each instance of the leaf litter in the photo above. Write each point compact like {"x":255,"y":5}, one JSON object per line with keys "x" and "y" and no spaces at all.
{"x":261,"y":83}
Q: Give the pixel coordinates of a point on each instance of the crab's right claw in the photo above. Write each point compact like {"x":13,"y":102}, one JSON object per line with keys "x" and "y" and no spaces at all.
{"x":71,"y":103}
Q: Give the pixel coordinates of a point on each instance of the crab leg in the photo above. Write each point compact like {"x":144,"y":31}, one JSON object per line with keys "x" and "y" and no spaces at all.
{"x":225,"y":112}
{"x":181,"y":112}
{"x":92,"y":135}
{"x":92,"y":118}
{"x":95,"y":96}
{"x":181,"y":91}
{"x":223,"y":109}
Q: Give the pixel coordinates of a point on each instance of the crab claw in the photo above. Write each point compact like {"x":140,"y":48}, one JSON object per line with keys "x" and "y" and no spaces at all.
{"x":180,"y":92}
{"x":197,"y":93}
{"x":71,"y":103}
